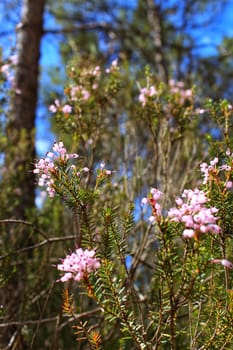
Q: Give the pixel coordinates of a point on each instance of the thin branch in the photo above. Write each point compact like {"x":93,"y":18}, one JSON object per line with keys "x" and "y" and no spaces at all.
{"x":24,"y":222}
{"x":49,"y":319}
{"x":78,"y":28}
{"x":38,"y":245}
{"x":84,"y":314}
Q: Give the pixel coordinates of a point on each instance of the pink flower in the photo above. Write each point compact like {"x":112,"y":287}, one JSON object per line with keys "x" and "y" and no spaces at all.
{"x":226,"y":263}
{"x":96,"y":71}
{"x":14,"y":59}
{"x":54,"y":108}
{"x":79,"y":93}
{"x":144,"y":201}
{"x":188,"y":233}
{"x":59,"y":148}
{"x":156,"y":194}
{"x":78,"y":265}
{"x":152,"y":219}
{"x":115,"y":62}
{"x":5,"y":69}
{"x":114,"y":66}
{"x":67,"y":109}
{"x":86,"y":94}
{"x":229,"y":184}
{"x":214,"y":161}
{"x":152,"y":199}
{"x":207,"y":169}
{"x":145,"y":93}
{"x":46,"y":167}
{"x":95,"y":86}
{"x":193,"y":213}
{"x":142,"y":97}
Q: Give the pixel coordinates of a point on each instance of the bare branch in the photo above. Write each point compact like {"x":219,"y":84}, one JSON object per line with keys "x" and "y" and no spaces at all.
{"x":50,"y":319}
{"x":40,"y":244}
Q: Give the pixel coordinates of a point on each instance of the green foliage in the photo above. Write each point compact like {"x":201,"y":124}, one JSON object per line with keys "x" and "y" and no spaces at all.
{"x":155,"y":288}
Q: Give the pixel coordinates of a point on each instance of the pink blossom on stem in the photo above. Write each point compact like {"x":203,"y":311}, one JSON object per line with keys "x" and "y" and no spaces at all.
{"x":152,"y":219}
{"x":193,"y":213}
{"x":201,"y":110}
{"x":96,"y":71}
{"x":145,"y":93}
{"x":66,"y":109}
{"x":212,"y":170}
{"x":207,"y":169}
{"x":229,"y":184}
{"x":78,"y":265}
{"x":14,"y":59}
{"x":114,"y":66}
{"x":226,"y":263}
{"x":152,"y":200}
{"x":179,"y":89}
{"x":156,"y":194}
{"x":46,"y":167}
{"x":5,"y":69}
{"x":54,"y":108}
{"x":144,"y":201}
{"x":79,"y":93}
{"x":86,"y":95}
{"x":188,"y":233}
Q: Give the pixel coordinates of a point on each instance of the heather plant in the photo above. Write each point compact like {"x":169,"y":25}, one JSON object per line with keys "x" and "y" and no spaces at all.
{"x":185,"y":282}
{"x":133,"y":240}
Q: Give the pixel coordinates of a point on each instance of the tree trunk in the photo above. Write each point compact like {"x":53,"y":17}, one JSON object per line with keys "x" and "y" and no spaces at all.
{"x":18,"y":180}
{"x":155,"y":21}
{"x":21,"y":120}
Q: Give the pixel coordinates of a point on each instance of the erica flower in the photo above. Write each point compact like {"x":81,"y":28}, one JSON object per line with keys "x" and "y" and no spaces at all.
{"x":46,"y":167}
{"x":79,"y":93}
{"x":78,"y":265}
{"x":152,"y":199}
{"x":54,"y":108}
{"x":145,"y":93}
{"x":224,"y":262}
{"x":194,"y":214}
{"x":66,"y":109}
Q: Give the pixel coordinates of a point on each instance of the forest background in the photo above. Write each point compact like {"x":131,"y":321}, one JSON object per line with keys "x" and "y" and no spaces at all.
{"x":161,"y":107}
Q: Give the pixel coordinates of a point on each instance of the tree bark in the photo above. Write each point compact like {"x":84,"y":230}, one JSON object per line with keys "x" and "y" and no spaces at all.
{"x":155,"y":21}
{"x":21,"y":119}
{"x":18,"y":180}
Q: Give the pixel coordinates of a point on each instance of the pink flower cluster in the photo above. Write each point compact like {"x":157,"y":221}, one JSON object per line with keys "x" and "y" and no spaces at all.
{"x":78,"y":265}
{"x":8,"y":71}
{"x":66,"y":109}
{"x":145,"y":93}
{"x":55,"y":107}
{"x":178,"y":88}
{"x":79,"y":93}
{"x":96,"y":72}
{"x":194,"y":214}
{"x":152,"y":199}
{"x":45,"y":167}
{"x":211,"y":170}
{"x":207,"y":169}
{"x":175,"y":88}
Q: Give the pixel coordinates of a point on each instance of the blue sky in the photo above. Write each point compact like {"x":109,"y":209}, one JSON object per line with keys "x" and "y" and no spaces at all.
{"x":222,"y":26}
